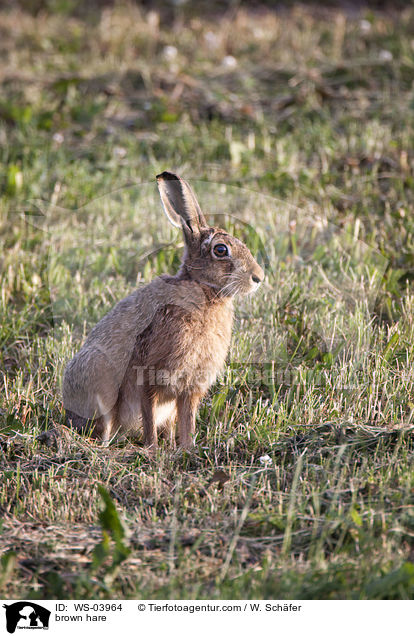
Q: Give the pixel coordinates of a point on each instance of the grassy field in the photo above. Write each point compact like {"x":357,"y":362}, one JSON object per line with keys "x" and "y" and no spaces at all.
{"x":296,"y":130}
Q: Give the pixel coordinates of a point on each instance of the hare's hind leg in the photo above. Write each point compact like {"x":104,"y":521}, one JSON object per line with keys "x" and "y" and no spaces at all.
{"x":101,"y":428}
{"x":104,"y":427}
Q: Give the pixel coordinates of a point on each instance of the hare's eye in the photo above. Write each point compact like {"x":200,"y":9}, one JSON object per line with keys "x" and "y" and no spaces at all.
{"x":220,"y":250}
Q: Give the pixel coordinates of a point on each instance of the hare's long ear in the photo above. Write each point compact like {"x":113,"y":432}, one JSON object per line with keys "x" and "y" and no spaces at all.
{"x":180,"y":204}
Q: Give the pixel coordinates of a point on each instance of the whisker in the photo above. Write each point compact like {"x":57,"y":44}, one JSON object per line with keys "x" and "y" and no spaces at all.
{"x":230,"y":289}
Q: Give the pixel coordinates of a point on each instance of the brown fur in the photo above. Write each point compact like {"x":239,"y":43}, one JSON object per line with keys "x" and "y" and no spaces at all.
{"x":154,"y":356}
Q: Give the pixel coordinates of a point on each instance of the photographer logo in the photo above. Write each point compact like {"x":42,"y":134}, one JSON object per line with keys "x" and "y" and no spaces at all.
{"x":26,"y":615}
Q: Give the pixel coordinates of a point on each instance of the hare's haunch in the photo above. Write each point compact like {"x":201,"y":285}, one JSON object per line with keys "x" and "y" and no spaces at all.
{"x":151,"y":359}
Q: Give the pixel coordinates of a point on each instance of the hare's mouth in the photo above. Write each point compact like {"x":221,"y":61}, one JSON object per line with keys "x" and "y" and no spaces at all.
{"x":239,"y":284}
{"x":254,"y":286}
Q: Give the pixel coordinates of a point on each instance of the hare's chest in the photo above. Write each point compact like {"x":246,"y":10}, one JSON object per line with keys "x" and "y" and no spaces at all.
{"x":184,"y":350}
{"x":199,"y":351}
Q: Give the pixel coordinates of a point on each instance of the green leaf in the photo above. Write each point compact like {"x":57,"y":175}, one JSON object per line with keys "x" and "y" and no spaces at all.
{"x":391,"y":345}
{"x":218,"y":401}
{"x":7,"y":564}
{"x":312,"y":353}
{"x":14,"y":179}
{"x":109,"y":518}
{"x":387,"y":587}
{"x":327,"y":359}
{"x":112,"y":528}
{"x":356,"y":517}
{"x":101,"y":551}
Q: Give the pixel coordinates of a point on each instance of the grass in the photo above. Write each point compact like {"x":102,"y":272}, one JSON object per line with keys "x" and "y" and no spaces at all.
{"x":295,"y":128}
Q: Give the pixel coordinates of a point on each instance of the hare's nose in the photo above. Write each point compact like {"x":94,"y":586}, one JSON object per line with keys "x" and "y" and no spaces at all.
{"x":257,"y":274}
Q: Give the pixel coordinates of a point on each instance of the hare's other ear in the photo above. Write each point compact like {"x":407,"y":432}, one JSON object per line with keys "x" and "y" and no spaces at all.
{"x":180,"y":203}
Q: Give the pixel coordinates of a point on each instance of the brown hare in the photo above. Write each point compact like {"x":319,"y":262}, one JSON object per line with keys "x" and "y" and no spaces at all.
{"x":151,"y":359}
